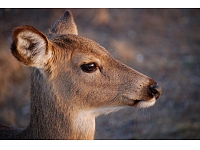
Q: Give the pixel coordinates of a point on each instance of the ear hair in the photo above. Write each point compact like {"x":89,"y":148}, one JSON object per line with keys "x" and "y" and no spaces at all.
{"x":30,"y":46}
{"x":64,"y":25}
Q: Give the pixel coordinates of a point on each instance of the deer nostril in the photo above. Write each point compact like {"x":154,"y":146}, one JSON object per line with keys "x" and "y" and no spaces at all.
{"x":155,"y":90}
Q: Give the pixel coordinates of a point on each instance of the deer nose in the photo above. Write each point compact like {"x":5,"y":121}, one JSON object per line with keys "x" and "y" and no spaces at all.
{"x":155,"y":90}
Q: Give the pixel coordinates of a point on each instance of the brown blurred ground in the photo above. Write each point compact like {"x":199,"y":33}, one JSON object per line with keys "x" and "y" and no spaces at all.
{"x":161,"y":43}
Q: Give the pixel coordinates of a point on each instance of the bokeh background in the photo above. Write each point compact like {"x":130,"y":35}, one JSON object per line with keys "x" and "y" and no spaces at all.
{"x":161,"y":43}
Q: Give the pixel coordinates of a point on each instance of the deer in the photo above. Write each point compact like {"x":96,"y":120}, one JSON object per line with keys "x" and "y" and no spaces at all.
{"x":73,"y":81}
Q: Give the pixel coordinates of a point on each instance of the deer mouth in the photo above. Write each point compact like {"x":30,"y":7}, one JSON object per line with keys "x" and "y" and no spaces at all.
{"x":138,"y":103}
{"x":144,"y":103}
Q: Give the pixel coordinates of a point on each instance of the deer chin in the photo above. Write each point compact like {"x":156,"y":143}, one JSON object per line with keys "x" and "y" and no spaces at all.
{"x":139,"y":103}
{"x":144,"y":103}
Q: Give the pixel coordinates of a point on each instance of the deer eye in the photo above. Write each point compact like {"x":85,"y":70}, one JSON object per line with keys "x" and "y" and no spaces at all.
{"x":89,"y":68}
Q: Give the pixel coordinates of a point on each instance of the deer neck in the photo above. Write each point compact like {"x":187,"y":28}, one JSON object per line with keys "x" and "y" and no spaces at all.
{"x":51,"y":118}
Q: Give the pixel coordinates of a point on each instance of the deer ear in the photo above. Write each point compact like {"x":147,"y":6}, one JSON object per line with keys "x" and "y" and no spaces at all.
{"x":64,"y":25}
{"x":30,"y":46}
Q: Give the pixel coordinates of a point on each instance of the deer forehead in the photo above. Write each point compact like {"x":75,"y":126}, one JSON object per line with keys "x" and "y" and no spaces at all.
{"x":83,"y":50}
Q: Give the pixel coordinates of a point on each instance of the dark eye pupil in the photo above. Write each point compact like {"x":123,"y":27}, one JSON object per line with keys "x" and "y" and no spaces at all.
{"x":91,"y":67}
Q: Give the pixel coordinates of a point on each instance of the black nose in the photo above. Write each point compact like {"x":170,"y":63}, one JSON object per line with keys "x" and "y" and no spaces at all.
{"x":155,"y":90}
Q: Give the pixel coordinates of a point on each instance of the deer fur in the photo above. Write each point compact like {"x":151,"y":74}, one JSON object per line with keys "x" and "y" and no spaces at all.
{"x":73,"y":81}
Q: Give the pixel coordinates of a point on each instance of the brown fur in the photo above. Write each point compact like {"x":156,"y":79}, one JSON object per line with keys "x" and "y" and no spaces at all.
{"x":64,"y":99}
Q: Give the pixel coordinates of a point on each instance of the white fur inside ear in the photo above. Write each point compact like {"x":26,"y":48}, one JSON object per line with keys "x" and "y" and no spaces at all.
{"x":33,"y":46}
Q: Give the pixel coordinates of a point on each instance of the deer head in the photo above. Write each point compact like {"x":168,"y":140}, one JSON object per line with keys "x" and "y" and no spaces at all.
{"x":76,"y":77}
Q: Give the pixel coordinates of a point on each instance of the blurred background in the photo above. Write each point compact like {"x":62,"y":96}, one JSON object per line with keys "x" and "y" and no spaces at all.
{"x":161,"y":43}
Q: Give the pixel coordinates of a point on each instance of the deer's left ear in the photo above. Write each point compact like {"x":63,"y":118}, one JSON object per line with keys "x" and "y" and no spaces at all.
{"x":30,"y":46}
{"x":64,"y":25}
